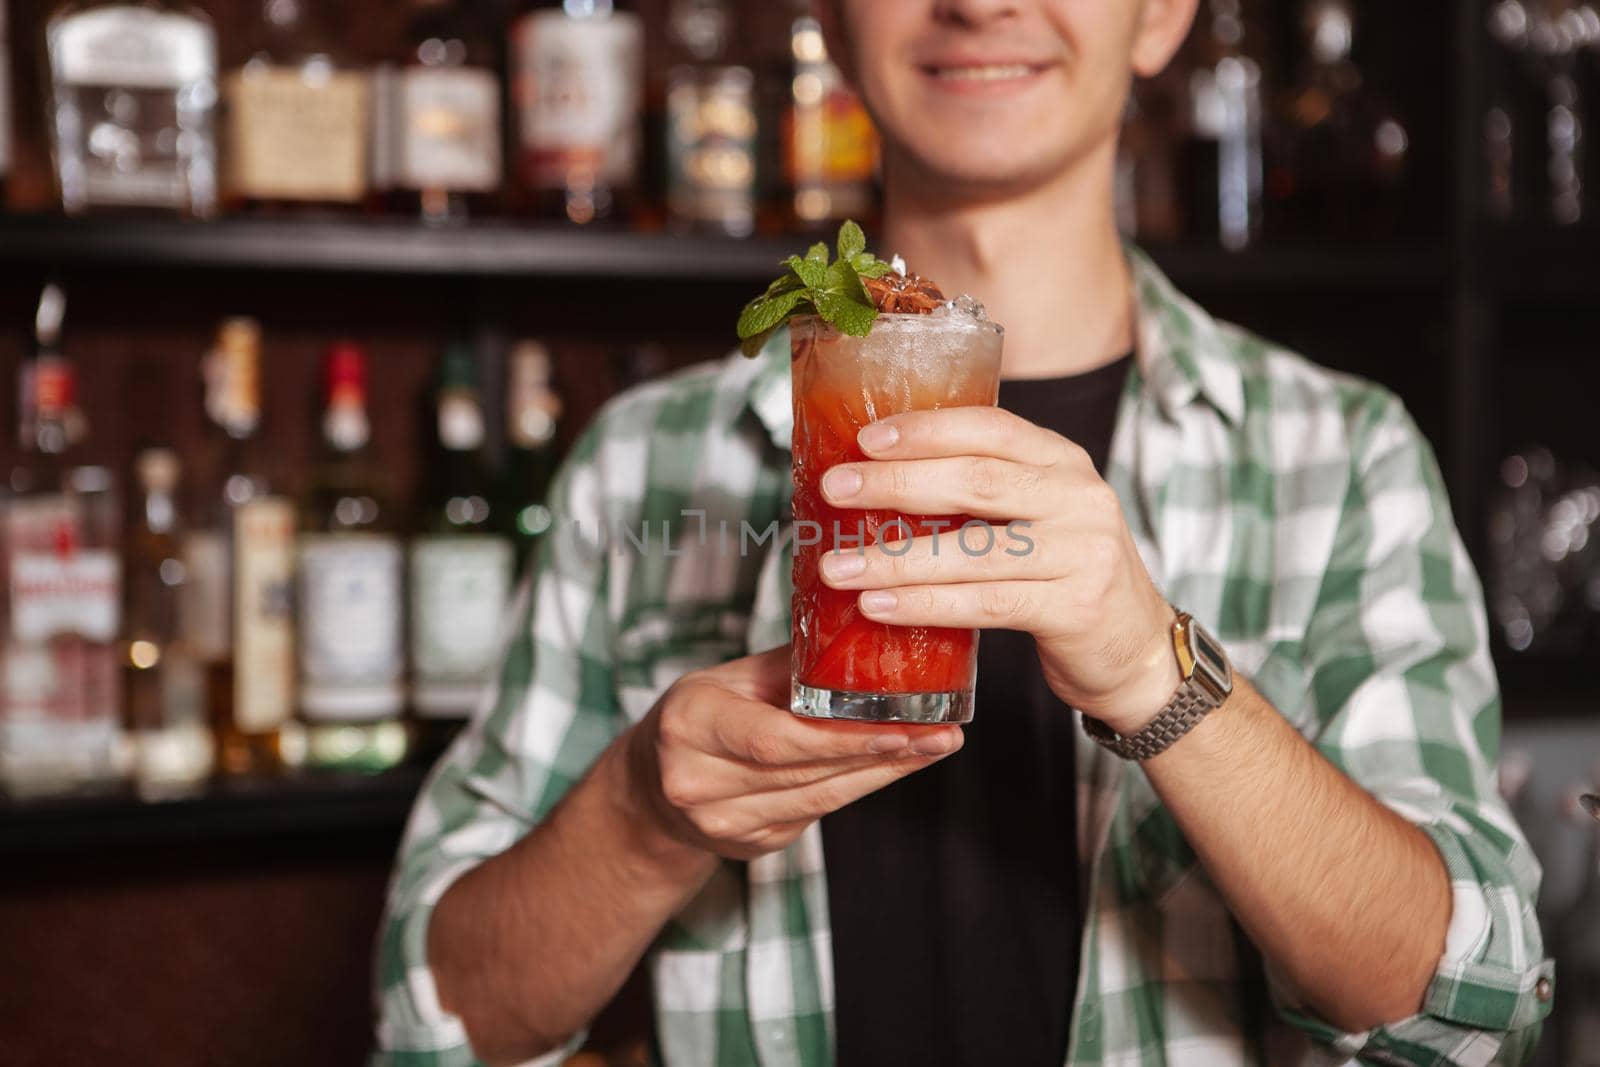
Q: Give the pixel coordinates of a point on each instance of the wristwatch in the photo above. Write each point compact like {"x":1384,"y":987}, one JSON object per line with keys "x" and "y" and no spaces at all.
{"x":1207,"y":682}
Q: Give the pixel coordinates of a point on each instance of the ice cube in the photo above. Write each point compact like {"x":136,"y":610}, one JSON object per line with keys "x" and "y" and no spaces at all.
{"x":963,"y":306}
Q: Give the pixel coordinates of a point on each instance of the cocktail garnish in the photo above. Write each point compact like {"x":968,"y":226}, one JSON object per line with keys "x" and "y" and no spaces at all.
{"x":813,"y":285}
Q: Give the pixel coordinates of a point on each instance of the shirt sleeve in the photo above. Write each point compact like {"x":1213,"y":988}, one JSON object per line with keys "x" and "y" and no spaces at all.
{"x":538,"y":730}
{"x":1408,"y":706}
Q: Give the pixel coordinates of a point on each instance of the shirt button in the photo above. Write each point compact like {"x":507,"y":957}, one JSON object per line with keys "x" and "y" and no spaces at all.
{"x":780,"y":1033}
{"x":1544,"y":989}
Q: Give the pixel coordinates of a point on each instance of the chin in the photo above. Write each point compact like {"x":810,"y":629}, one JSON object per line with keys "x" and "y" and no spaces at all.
{"x":985,"y":165}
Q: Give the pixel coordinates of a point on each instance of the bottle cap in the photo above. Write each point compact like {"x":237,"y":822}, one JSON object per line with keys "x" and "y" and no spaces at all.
{"x":347,"y":372}
{"x":157,"y":469}
{"x":232,"y":372}
{"x":456,"y":367}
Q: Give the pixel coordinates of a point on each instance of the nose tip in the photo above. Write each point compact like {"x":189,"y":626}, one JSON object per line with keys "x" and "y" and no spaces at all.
{"x":973,"y":12}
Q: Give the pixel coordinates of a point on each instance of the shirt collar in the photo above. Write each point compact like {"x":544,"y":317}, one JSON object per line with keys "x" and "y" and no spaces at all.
{"x":1182,"y":357}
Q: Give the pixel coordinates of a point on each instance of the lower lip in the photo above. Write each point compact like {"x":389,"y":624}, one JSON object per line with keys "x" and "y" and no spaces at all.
{"x":984,"y":87}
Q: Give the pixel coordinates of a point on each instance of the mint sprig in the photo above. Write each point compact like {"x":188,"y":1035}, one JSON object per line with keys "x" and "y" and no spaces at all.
{"x":814,"y":285}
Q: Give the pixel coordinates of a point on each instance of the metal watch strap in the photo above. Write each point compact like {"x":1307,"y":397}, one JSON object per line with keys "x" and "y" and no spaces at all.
{"x":1182,"y":713}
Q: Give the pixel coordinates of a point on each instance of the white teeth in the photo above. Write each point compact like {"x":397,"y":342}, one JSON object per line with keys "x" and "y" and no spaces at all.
{"x":992,"y":73}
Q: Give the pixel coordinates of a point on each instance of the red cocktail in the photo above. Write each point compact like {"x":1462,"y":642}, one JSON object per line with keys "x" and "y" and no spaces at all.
{"x":845,"y":665}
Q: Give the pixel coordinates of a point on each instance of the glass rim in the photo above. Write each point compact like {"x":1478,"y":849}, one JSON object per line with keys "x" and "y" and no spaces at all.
{"x":907,"y":318}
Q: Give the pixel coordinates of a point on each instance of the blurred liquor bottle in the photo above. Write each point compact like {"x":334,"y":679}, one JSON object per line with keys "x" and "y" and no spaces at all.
{"x":1338,"y":148}
{"x":461,"y":564}
{"x":1544,"y":72}
{"x":132,"y":102}
{"x":577,"y":71}
{"x":349,"y":603}
{"x":437,"y":134}
{"x":1148,"y":202}
{"x":298,"y":114}
{"x":163,"y":684}
{"x":711,"y":127}
{"x":238,"y":559}
{"x":533,"y":412}
{"x":1220,"y":158}
{"x":60,"y":701}
{"x":830,"y":147}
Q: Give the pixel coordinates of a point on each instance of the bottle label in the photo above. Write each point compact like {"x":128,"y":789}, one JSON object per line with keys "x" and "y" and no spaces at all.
{"x":53,"y":595}
{"x":711,"y":148}
{"x":293,"y":137}
{"x":59,"y":700}
{"x":450,"y":129}
{"x":203,"y":598}
{"x":58,"y":587}
{"x":128,"y":47}
{"x":579,"y":90}
{"x":351,"y":652}
{"x":459,"y":589}
{"x":830,"y":147}
{"x":263,"y":618}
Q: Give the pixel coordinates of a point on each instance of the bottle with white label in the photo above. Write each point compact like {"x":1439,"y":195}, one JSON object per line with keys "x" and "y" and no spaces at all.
{"x":60,"y":692}
{"x":460,"y":568}
{"x":577,"y":72}
{"x":236,"y":609}
{"x":533,"y":413}
{"x":298,"y":115}
{"x":437,"y":115}
{"x":350,"y":602}
{"x":134,"y":95}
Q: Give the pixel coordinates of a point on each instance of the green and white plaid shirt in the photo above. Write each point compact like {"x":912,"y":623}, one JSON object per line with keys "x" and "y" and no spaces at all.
{"x":1297,"y":512}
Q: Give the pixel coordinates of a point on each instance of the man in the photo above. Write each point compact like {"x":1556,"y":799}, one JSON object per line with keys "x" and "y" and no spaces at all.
{"x":1308,"y":867}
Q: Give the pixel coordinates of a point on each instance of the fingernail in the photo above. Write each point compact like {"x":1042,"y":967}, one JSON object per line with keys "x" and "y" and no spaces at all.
{"x":837,"y":566}
{"x":933,"y":745}
{"x":878,"y":437}
{"x":878,"y":602}
{"x":841,"y":483}
{"x":887,"y":743}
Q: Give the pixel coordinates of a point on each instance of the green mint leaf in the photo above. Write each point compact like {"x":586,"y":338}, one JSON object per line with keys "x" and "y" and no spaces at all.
{"x":788,"y":283}
{"x":762,"y":316}
{"x":843,"y":279}
{"x":813,"y":284}
{"x":852,"y":242}
{"x":844,"y":301}
{"x":809,"y":271}
{"x":752,"y":346}
{"x":868,"y":266}
{"x":847,"y":315}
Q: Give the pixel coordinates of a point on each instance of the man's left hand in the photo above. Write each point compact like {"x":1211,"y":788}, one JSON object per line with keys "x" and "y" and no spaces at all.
{"x":1066,"y":572}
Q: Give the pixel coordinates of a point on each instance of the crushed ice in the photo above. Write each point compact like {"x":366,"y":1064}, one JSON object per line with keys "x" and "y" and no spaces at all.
{"x":963,"y":306}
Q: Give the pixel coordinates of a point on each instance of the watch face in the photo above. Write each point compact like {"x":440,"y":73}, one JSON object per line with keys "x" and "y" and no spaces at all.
{"x":1208,"y":654}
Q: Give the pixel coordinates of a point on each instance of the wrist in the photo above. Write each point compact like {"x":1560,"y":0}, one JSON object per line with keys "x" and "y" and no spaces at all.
{"x":1153,"y":682}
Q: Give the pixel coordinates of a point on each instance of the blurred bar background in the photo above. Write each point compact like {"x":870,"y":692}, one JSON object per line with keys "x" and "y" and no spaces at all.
{"x":346,"y":279}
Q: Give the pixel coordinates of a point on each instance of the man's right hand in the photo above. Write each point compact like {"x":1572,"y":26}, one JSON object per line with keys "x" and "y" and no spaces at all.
{"x":719,"y":763}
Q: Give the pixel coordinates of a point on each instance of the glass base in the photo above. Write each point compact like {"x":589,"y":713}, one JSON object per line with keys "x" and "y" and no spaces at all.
{"x":926,"y":708}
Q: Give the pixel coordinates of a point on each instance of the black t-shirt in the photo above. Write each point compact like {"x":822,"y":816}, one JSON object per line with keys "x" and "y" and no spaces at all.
{"x":953,"y":893}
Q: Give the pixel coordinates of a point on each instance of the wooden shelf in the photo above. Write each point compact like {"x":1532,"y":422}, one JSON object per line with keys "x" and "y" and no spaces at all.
{"x":509,"y":250}
{"x":296,"y":807}
{"x":1544,"y":263}
{"x":382,"y":247}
